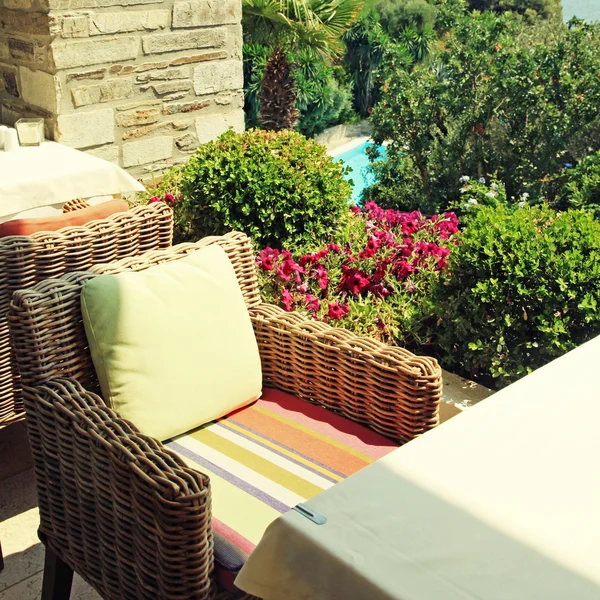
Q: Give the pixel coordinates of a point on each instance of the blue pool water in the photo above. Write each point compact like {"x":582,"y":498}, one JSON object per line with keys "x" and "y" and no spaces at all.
{"x":357,"y":160}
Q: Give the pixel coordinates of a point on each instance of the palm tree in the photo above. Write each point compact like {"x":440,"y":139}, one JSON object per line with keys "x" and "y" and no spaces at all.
{"x":292,"y":24}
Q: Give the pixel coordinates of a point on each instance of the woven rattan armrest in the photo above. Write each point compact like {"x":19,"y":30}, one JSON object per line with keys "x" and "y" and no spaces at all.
{"x":387,"y":388}
{"x":115,"y":505}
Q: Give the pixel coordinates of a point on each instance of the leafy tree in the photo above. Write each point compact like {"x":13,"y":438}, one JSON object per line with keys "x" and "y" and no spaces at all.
{"x":295,"y":24}
{"x":531,"y":8}
{"x":396,"y":15}
{"x":365,"y":41}
{"x":485,"y":104}
{"x":278,"y":94}
{"x":323,"y":94}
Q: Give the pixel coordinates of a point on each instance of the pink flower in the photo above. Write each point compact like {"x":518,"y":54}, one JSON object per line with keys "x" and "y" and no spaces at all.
{"x":353,"y":281}
{"x":380,"y":291}
{"x":169,"y":199}
{"x":303,"y":288}
{"x":337,"y":311}
{"x":355,"y":209}
{"x":287,"y":300}
{"x":402,"y":270}
{"x":288,"y":268}
{"x":312,"y":303}
{"x":322,"y":276}
{"x":266,"y":258}
{"x":154,"y":199}
{"x":371,"y":248}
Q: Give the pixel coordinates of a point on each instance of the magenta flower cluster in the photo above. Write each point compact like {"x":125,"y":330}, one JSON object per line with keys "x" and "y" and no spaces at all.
{"x":393,"y":249}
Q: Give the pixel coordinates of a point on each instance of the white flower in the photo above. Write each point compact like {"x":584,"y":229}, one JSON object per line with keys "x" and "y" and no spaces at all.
{"x":491,"y":194}
{"x":494,"y":186}
{"x":472,"y":201}
{"x":463,"y":190}
{"x":464,"y":178}
{"x":521,"y":204}
{"x":524,"y":195}
{"x":482,"y":180}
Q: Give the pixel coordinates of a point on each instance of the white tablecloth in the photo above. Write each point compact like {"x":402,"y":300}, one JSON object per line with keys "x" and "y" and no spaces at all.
{"x":52,"y":174}
{"x":502,"y":502}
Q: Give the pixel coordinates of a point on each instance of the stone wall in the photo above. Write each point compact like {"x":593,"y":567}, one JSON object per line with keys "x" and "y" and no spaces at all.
{"x":137,"y":82}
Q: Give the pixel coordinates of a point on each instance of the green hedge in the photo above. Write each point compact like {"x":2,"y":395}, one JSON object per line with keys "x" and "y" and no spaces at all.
{"x":522,"y":289}
{"x":278,"y":187}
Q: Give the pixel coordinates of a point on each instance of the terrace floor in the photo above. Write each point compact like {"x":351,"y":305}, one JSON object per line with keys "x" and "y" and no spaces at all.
{"x":21,"y":578}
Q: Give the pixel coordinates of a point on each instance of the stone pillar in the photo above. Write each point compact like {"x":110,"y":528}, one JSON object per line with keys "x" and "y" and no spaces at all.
{"x":137,"y":82}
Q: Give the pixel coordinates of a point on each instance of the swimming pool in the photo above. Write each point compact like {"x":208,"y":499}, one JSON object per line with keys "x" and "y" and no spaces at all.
{"x":356,"y":159}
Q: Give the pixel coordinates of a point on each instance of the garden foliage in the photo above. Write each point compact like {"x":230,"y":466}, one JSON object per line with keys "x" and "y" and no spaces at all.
{"x":376,"y":281}
{"x":523,"y":288}
{"x":323,"y":96}
{"x":485,"y":103}
{"x":278,"y":187}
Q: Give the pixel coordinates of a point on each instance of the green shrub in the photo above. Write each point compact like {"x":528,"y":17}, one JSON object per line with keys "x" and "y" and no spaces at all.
{"x":523,"y":288}
{"x":582,"y":189}
{"x":278,"y":187}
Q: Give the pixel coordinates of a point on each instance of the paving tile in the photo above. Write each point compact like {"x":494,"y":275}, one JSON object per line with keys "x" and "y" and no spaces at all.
{"x":31,"y":588}
{"x":21,"y":578}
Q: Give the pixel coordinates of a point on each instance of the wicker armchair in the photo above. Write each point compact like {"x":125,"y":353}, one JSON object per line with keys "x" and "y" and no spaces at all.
{"x":125,"y":512}
{"x":25,"y":261}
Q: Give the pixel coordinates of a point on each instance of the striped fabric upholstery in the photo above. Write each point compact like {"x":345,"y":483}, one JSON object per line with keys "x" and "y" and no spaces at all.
{"x":266,"y":458}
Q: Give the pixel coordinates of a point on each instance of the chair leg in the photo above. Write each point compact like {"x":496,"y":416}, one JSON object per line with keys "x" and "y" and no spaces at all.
{"x":58,"y":577}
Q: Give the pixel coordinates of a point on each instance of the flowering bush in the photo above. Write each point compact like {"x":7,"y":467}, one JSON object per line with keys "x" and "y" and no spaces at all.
{"x":523,"y":288}
{"x":375,"y":281}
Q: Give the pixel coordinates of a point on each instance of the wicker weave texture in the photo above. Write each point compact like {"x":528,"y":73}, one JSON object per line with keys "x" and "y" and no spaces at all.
{"x":75,"y":204}
{"x":119,"y":508}
{"x":25,"y":261}
{"x":386,"y":388}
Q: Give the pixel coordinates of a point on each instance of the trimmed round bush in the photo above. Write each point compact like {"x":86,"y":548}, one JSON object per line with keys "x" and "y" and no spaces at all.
{"x":523,"y":288}
{"x":278,"y":187}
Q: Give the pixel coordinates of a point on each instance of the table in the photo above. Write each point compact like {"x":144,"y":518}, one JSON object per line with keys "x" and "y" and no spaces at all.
{"x":52,"y":174}
{"x":502,"y":502}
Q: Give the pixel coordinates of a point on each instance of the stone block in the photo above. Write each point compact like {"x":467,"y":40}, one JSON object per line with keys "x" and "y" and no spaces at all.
{"x":81,"y":75}
{"x":197,"y":58}
{"x":124,"y":22}
{"x":151,"y":129}
{"x":211,"y":78}
{"x":187,"y":142}
{"x":212,"y":126}
{"x":18,"y":4}
{"x":40,"y":89}
{"x":163,"y":75}
{"x":122,"y":69}
{"x":204,"y":13}
{"x":150,"y":66}
{"x":159,"y":43}
{"x":138,"y":104}
{"x":142,"y":152}
{"x":85,"y":129}
{"x":25,"y":50}
{"x":184,"y":107}
{"x":74,"y":26}
{"x":169,"y":87}
{"x":109,"y":153}
{"x":9,"y":81}
{"x":67,"y":55}
{"x":80,"y":4}
{"x":29,"y":23}
{"x":107,"y":91}
{"x":139,"y":116}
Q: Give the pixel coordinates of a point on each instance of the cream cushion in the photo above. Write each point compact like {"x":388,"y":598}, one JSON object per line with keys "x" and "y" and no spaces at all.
{"x":173,"y":345}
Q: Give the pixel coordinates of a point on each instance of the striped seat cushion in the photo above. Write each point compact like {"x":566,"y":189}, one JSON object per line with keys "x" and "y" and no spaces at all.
{"x":266,"y":458}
